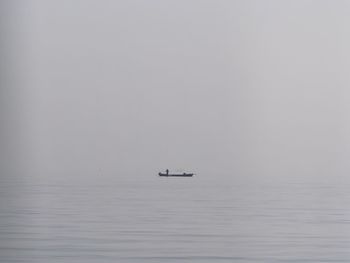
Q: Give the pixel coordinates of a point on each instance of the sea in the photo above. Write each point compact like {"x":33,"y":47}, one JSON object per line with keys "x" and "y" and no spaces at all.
{"x":151,"y":219}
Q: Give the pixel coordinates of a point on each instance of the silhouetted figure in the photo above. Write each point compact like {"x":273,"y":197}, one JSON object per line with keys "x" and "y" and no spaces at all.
{"x":167,"y":171}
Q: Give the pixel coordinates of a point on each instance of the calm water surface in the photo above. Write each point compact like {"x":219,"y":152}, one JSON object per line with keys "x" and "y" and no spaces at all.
{"x":153,"y":219}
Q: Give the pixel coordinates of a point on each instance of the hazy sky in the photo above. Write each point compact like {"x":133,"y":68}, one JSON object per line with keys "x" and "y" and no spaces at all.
{"x":214,"y":87}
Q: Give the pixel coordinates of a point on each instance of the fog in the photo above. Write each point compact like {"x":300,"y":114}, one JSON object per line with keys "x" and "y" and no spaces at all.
{"x":128,"y":88}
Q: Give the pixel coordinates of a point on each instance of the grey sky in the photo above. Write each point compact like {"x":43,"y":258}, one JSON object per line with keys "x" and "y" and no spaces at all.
{"x":232,"y":87}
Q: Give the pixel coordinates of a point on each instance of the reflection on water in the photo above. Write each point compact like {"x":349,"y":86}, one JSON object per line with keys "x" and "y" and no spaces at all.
{"x":175,"y":220}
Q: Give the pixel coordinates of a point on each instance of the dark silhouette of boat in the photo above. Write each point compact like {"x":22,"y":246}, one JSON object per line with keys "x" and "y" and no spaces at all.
{"x":175,"y":175}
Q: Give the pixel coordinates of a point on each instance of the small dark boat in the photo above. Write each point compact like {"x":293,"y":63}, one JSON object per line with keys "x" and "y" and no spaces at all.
{"x":175,"y":175}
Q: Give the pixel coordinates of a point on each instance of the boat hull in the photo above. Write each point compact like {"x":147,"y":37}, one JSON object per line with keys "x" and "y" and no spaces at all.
{"x":176,"y":175}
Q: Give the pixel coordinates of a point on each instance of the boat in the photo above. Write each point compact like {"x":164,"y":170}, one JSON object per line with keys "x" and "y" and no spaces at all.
{"x":167,"y":174}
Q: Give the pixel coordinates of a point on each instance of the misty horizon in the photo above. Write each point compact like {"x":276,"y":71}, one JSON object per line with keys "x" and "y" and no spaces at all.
{"x":226,"y":87}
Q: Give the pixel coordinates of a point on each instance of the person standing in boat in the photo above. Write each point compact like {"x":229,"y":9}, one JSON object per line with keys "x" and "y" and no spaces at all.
{"x":167,"y":171}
